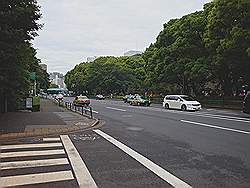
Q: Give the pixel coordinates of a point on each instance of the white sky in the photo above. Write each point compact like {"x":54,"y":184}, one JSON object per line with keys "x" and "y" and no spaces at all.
{"x":76,"y":29}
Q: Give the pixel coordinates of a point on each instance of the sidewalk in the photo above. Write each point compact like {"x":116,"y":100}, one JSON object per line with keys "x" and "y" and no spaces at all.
{"x":52,"y":119}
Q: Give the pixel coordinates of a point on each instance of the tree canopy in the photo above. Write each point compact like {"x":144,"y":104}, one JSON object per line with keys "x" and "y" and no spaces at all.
{"x":107,"y":75}
{"x":18,"y":26}
{"x":203,"y":52}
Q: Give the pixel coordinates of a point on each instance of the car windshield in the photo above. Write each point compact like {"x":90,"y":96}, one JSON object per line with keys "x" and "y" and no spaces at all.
{"x":187,"y":98}
{"x":82,"y":97}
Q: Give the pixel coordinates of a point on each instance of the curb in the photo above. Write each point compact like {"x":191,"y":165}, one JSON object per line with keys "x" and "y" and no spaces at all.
{"x":46,"y":131}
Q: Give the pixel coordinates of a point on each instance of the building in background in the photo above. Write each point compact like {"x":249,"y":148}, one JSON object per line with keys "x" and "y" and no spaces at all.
{"x":57,"y":78}
{"x":132,"y":52}
{"x":91,"y":59}
{"x":44,"y":67}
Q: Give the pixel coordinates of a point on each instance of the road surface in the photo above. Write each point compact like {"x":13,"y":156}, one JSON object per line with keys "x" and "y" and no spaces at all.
{"x":138,"y":147}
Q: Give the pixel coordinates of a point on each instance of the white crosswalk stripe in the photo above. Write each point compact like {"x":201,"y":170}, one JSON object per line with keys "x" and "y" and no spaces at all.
{"x":10,"y":160}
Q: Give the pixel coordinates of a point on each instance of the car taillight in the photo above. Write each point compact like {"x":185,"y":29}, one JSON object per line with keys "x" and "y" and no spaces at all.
{"x":87,"y":100}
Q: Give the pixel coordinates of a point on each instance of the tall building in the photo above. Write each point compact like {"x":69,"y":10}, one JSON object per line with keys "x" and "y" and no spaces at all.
{"x":57,"y":78}
{"x":132,"y":52}
{"x":44,"y":67}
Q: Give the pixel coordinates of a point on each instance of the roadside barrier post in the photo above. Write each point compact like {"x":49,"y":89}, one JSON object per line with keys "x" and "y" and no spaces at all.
{"x":91,"y":113}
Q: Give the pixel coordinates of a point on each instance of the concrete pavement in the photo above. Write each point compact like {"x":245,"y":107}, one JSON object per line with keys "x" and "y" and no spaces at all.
{"x":52,"y":119}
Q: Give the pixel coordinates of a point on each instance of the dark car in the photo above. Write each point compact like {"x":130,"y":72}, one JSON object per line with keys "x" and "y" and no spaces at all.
{"x":246,"y":103}
{"x":81,"y":101}
{"x":99,"y":97}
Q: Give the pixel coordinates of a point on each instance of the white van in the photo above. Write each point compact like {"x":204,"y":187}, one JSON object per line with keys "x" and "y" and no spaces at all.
{"x":182,"y":102}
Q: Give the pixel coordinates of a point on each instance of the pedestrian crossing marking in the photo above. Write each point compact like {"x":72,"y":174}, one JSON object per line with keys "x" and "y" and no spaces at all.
{"x":51,"y":139}
{"x":33,"y":163}
{"x":25,"y":146}
{"x":29,"y":179}
{"x":31,"y":153}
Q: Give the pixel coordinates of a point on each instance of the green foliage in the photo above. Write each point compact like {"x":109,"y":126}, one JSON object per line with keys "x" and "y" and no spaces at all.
{"x":179,"y":57}
{"x":228,"y":39}
{"x":205,"y":51}
{"x":209,"y":47}
{"x":18,"y":26}
{"x":107,"y":75}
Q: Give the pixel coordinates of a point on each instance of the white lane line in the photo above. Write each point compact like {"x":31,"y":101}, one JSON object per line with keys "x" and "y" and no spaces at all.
{"x":216,"y":127}
{"x":118,"y":109}
{"x":162,"y":173}
{"x":33,"y":163}
{"x":229,"y":117}
{"x":206,"y":115}
{"x":29,"y":179}
{"x":81,"y":171}
{"x":223,"y":118}
{"x":51,"y":139}
{"x":25,"y":146}
{"x":31,"y":153}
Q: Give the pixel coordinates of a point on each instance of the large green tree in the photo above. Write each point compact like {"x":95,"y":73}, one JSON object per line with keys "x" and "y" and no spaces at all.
{"x":18,"y":26}
{"x":228,"y":39}
{"x":177,"y":62}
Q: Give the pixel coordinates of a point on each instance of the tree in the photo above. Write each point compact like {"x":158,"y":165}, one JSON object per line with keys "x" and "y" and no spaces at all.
{"x":108,"y":75}
{"x":228,"y":39}
{"x":179,"y":56}
{"x":18,"y":26}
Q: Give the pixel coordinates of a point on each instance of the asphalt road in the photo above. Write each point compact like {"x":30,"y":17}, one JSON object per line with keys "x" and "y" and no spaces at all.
{"x":154,"y":147}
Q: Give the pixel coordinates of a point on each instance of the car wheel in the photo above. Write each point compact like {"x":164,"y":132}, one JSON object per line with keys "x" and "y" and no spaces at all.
{"x":166,"y":106}
{"x":183,"y":107}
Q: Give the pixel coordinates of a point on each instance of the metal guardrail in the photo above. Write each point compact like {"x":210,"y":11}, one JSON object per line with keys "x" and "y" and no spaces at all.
{"x":79,"y":108}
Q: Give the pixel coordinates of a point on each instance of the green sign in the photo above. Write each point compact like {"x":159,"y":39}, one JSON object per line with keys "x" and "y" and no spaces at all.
{"x":33,"y":75}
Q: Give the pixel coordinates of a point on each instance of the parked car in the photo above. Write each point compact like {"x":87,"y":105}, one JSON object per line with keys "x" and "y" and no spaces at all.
{"x":127,"y":98}
{"x":81,"y":101}
{"x":182,"y":102}
{"x":140,"y":101}
{"x":99,"y":97}
{"x":246,"y":103}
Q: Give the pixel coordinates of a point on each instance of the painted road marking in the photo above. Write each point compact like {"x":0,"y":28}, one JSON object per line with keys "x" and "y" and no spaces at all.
{"x":216,"y":127}
{"x":51,"y":139}
{"x":118,"y":109}
{"x":162,"y":173}
{"x":33,"y":163}
{"x":31,"y":153}
{"x":202,"y":114}
{"x":81,"y":171}
{"x":95,"y":112}
{"x":25,"y":146}
{"x":229,"y":117}
{"x":36,"y":178}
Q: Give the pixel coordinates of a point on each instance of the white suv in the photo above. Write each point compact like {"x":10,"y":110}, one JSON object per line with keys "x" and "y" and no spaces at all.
{"x":182,"y":102}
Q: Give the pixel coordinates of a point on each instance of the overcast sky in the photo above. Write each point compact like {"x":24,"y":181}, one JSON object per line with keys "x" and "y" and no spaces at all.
{"x":76,"y":29}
